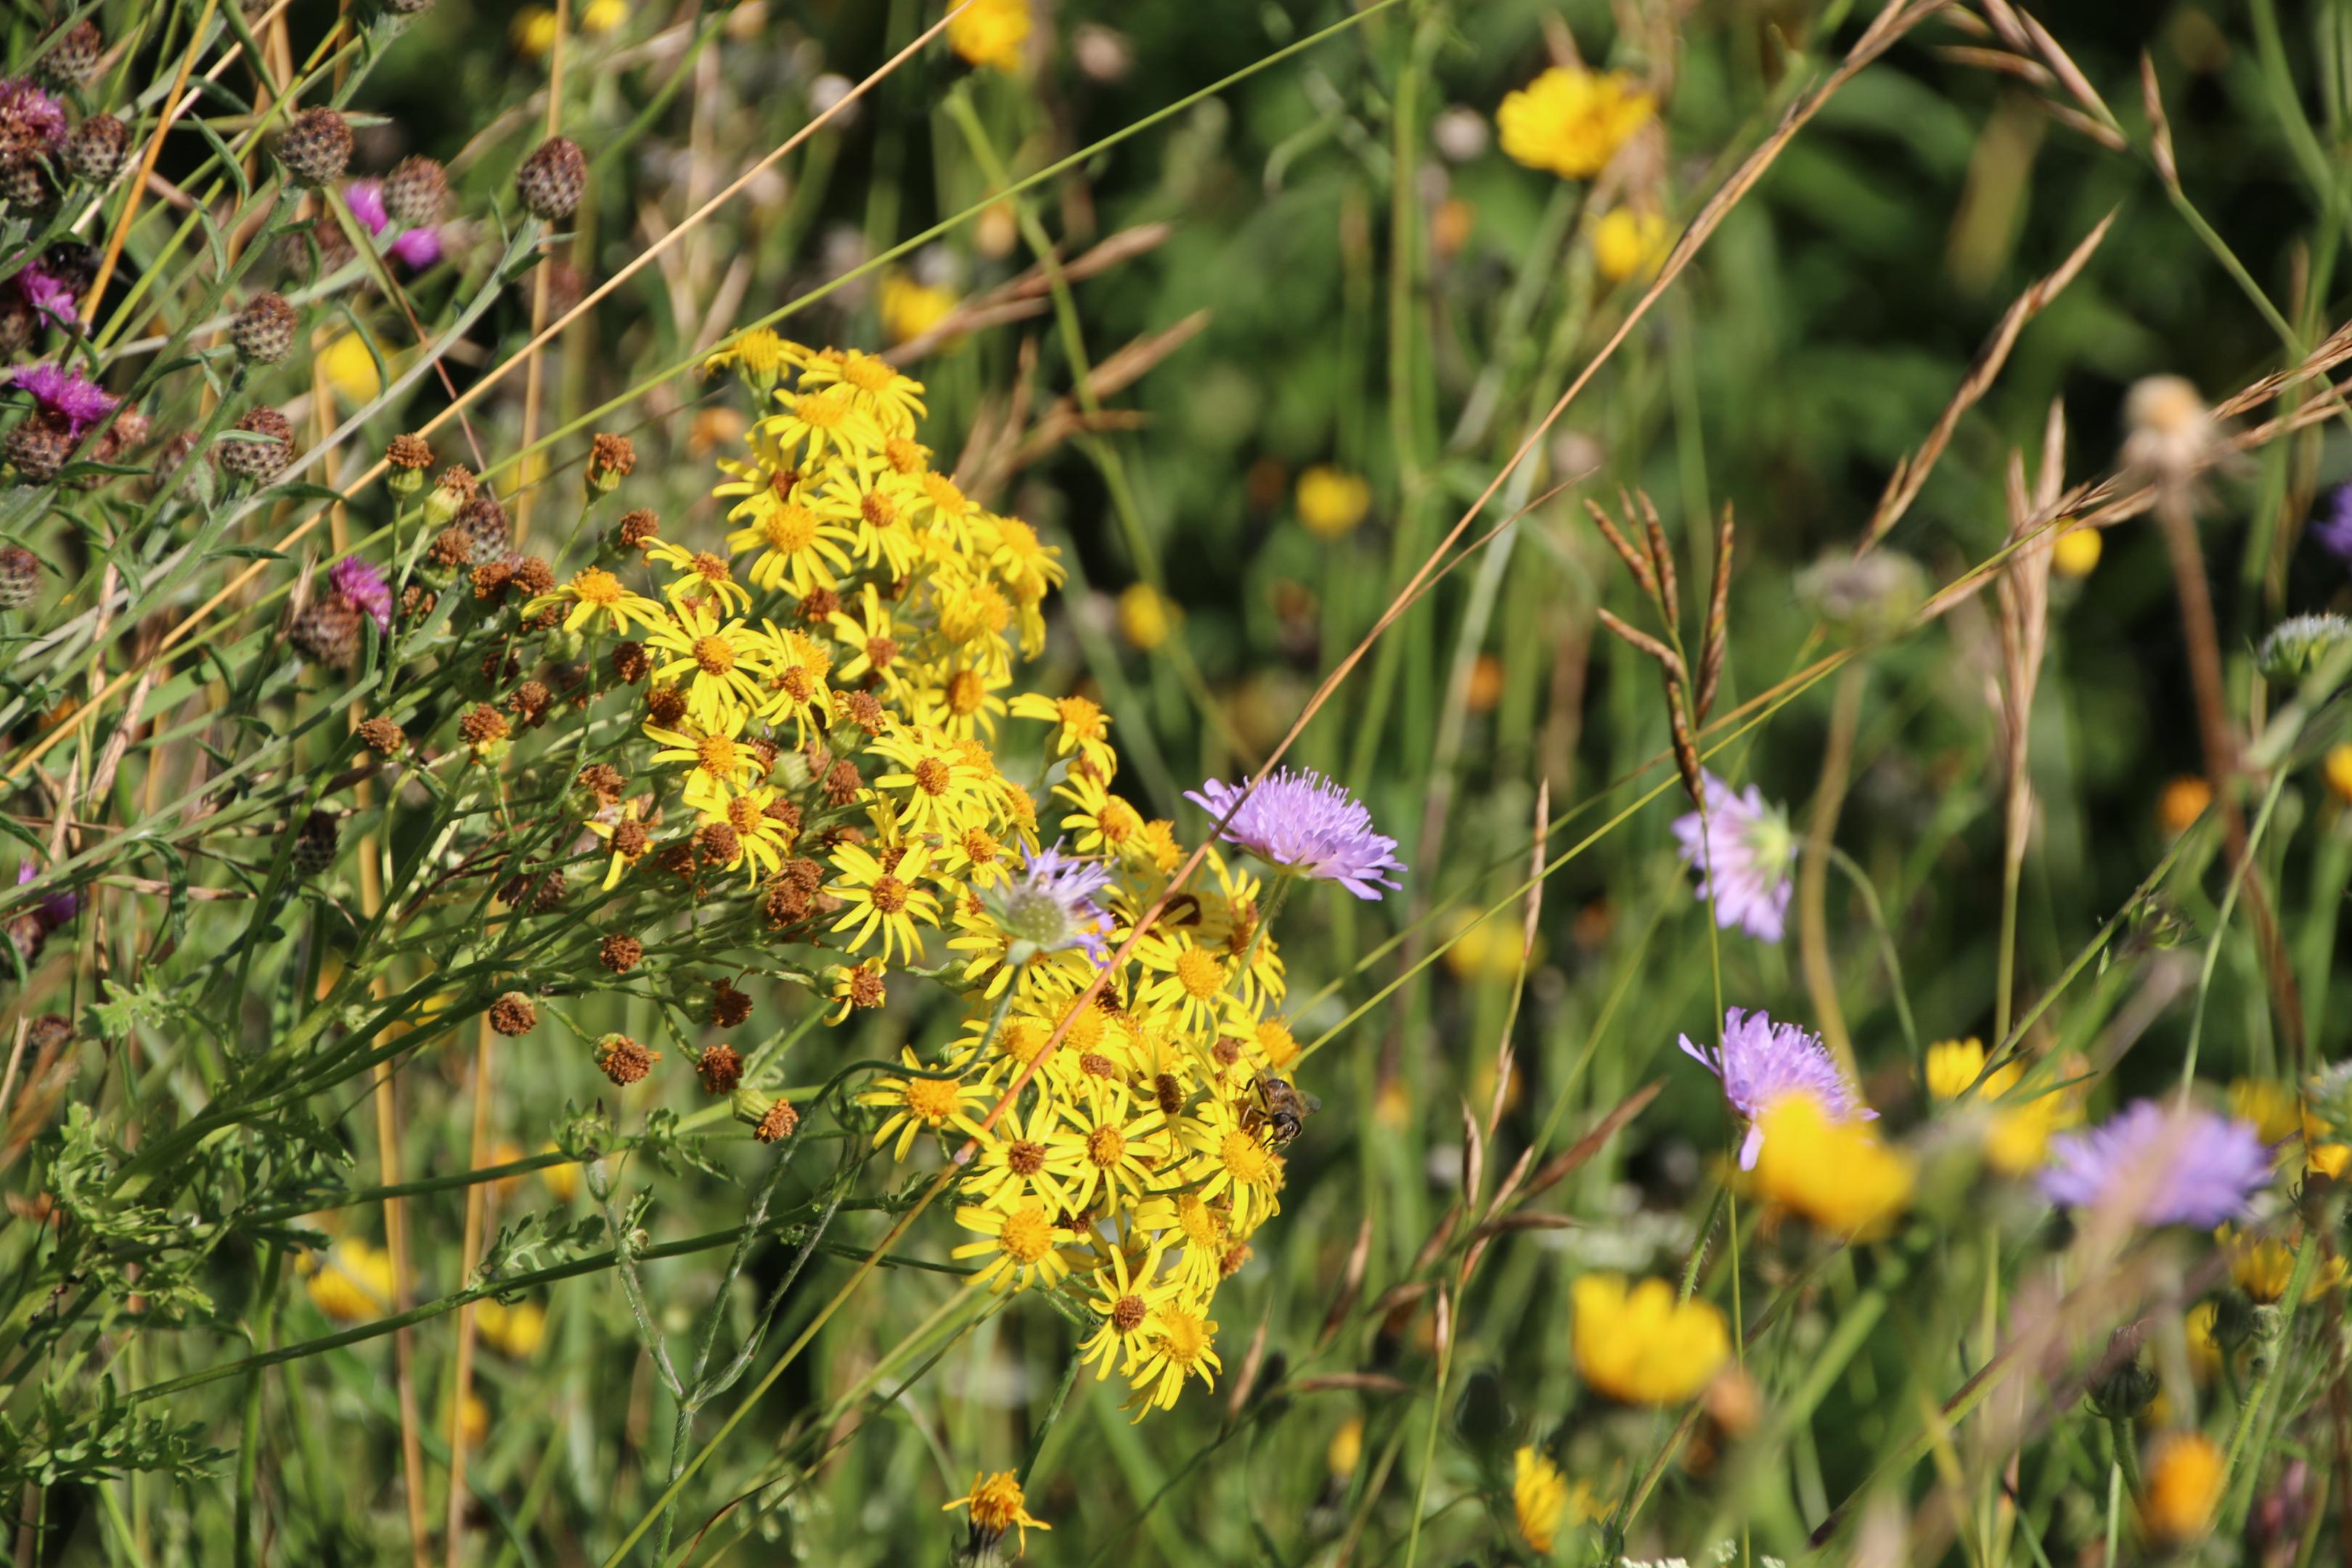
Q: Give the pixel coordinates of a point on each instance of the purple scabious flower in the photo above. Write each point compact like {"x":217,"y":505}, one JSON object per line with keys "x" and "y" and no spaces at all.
{"x":65,"y":395}
{"x":1743,"y":851}
{"x":1762,"y":1060}
{"x":1051,"y":905}
{"x":418,"y":248}
{"x":2162,"y":1165}
{"x":2332,"y":528}
{"x":1302,"y":822}
{"x":360,"y":582}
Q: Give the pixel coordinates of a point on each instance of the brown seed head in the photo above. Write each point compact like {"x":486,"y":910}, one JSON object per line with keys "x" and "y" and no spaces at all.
{"x":666,"y":705}
{"x":639,"y":529}
{"x":620,"y":952}
{"x":610,"y":457}
{"x":262,"y":459}
{"x":630,"y":662}
{"x":460,"y":481}
{"x":415,"y":191}
{"x":865,"y":989}
{"x":842,"y":782}
{"x":264,"y":330}
{"x":382,"y":736}
{"x":483,"y":724}
{"x":316,"y":147}
{"x":819,"y":605}
{"x":512,"y":1014}
{"x":450,"y":549}
{"x":530,"y":702}
{"x":601,"y":779}
{"x":720,"y":1069}
{"x":551,"y":179}
{"x":778,"y":1124}
{"x":718,"y":844}
{"x":409,"y":452}
{"x":728,"y":1007}
{"x":623,"y":1061}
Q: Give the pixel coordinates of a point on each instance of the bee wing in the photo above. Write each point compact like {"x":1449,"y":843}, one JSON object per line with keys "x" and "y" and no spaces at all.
{"x":1314,"y":1103}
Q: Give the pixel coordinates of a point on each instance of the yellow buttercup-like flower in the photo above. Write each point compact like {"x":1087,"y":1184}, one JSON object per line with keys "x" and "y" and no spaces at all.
{"x":1331,"y":501}
{"x":353,"y":1283}
{"x":1629,"y":244}
{"x":910,"y":308}
{"x":2017,"y":1137}
{"x":2075,"y":552}
{"x":1833,"y":1173}
{"x":517,"y":1331}
{"x":1639,"y":1345}
{"x":1571,"y":122}
{"x":991,"y":33}
{"x":2184,"y":1476}
{"x":2263,"y":1267}
{"x":1541,"y":1501}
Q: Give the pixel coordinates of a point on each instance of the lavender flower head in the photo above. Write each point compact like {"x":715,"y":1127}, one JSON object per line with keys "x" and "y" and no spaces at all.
{"x":1743,"y":851}
{"x":1051,"y":905}
{"x":1303,"y":822}
{"x":65,"y":396}
{"x":1762,"y":1060}
{"x":2332,"y":529}
{"x":359,"y":581}
{"x":418,"y":248}
{"x":2162,"y":1164}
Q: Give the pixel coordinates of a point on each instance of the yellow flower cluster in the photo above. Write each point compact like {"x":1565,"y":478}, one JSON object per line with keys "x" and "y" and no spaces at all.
{"x":828,"y":693}
{"x":2017,"y":1133}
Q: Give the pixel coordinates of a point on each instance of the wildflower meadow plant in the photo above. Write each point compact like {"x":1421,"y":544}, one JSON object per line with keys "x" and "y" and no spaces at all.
{"x":967,"y":782}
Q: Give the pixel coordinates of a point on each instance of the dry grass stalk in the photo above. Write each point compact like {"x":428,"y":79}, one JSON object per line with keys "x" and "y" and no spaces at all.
{"x":1028,"y":294}
{"x":1715,"y":638}
{"x":1910,"y":476}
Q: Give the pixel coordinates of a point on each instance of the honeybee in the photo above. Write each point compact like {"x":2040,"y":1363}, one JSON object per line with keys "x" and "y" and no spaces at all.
{"x":1281,"y":1107}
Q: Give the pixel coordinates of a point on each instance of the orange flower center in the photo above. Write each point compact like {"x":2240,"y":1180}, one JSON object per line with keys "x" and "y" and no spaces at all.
{"x":790,"y":528}
{"x":1028,"y":1235}
{"x":932,"y":1099}
{"x":718,"y":756}
{"x":1199,"y":974}
{"x":594,"y":585}
{"x":889,"y":894}
{"x":714,"y":654}
{"x":1025,"y":1158}
{"x":1106,"y":1146}
{"x":1245,"y":1158}
{"x":931,"y":776}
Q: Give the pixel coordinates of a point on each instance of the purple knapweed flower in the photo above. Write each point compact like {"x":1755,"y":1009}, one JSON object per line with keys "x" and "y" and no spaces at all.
{"x":418,"y":248}
{"x":65,"y":395}
{"x":2331,"y":529}
{"x":54,"y":910}
{"x":1762,"y":1060}
{"x":1743,"y":852}
{"x":360,"y":582}
{"x":30,"y":120}
{"x":1302,"y":822}
{"x":2161,"y":1164}
{"x":46,"y":292}
{"x":1050,"y":906}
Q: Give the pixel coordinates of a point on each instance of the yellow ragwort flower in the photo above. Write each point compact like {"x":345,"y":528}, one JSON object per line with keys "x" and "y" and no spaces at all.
{"x":997,"y":1506}
{"x":910,"y":308}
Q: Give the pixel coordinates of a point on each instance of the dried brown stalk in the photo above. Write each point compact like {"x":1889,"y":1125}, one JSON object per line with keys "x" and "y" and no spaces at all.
{"x":1713,"y":640}
{"x":1910,"y":475}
